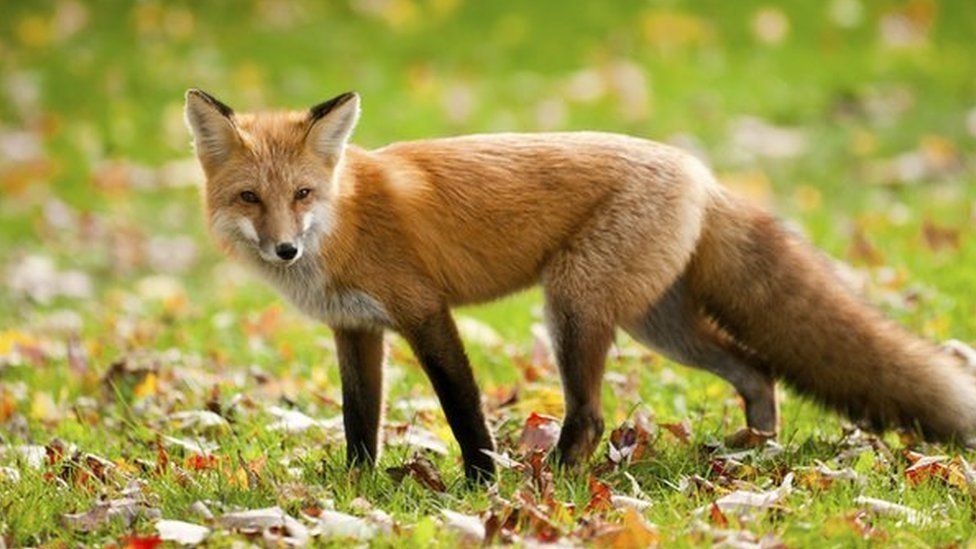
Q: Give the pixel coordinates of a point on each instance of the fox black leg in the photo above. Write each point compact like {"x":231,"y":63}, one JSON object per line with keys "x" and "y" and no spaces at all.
{"x":437,"y":345}
{"x":361,"y":368}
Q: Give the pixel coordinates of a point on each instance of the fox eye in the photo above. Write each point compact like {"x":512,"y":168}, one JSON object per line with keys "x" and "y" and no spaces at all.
{"x":302,"y":193}
{"x":250,"y":197}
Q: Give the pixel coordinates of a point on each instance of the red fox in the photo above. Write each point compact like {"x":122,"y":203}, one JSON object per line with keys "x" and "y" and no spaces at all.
{"x":619,"y":231}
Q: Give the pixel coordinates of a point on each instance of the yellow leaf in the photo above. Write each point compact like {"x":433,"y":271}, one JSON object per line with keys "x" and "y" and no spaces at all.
{"x":807,"y":198}
{"x":9,"y":339}
{"x":239,"y":479}
{"x":44,"y":408}
{"x":34,"y":31}
{"x":147,"y":387}
{"x":634,"y":531}
{"x":670,"y":29}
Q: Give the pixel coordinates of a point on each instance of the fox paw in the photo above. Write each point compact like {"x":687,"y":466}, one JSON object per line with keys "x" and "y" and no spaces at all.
{"x":578,"y":438}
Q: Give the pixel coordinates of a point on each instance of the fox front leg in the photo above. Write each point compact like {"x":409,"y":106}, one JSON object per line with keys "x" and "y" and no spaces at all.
{"x":437,"y":345}
{"x":360,"y":355}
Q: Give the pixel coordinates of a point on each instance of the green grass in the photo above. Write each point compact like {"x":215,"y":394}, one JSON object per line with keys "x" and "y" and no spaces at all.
{"x":111,"y":92}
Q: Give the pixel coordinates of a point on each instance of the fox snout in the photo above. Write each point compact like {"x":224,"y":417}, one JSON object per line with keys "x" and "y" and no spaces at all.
{"x":281,"y":244}
{"x":277,"y":246}
{"x":287,"y":251}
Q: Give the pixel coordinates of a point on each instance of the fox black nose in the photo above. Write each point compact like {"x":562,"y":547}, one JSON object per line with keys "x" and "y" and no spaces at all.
{"x":286,"y":250}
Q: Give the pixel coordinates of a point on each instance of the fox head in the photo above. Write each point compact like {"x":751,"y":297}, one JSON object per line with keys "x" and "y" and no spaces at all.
{"x":269,"y":176}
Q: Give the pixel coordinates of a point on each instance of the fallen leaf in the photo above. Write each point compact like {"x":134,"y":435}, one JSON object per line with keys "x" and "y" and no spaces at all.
{"x":147,"y":387}
{"x":503,"y":460}
{"x":539,"y":434}
{"x":416,"y":437}
{"x":142,"y":542}
{"x":633,"y":531}
{"x":600,"y":496}
{"x":628,"y":443}
{"x":937,"y":237}
{"x":745,"y":500}
{"x":469,"y":527}
{"x":927,"y":467}
{"x":336,"y":525}
{"x":621,"y":502}
{"x":184,"y":533}
{"x":199,"y":420}
{"x":887,"y":508}
{"x":681,"y":430}
{"x":420,"y":469}
{"x":124,"y":509}
{"x":294,"y":421}
{"x":272,"y":523}
{"x":201,"y":447}
{"x":717,"y":516}
{"x":858,"y":521}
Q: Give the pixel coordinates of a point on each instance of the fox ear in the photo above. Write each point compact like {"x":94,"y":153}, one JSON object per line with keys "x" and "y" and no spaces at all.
{"x":212,"y":126}
{"x":330,"y":125}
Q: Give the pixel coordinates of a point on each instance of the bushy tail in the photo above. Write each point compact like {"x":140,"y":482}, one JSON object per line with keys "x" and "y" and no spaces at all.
{"x":778,"y":296}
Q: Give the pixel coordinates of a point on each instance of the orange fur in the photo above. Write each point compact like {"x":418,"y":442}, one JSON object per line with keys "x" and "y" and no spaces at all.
{"x":619,"y":231}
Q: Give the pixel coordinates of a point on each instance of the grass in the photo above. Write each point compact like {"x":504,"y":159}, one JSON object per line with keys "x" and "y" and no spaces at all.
{"x":100,"y":92}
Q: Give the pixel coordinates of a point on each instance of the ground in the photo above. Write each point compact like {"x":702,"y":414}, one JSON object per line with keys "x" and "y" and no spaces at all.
{"x":135,"y":362}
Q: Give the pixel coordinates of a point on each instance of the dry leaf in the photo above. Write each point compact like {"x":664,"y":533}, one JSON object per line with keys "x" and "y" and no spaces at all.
{"x":600,"y":496}
{"x":124,"y":509}
{"x":745,"y":501}
{"x":539,"y":434}
{"x":333,"y":525}
{"x":633,"y":531}
{"x":420,"y":469}
{"x":887,"y":508}
{"x":272,"y":523}
{"x":681,"y":430}
{"x":469,"y":527}
{"x":184,"y":533}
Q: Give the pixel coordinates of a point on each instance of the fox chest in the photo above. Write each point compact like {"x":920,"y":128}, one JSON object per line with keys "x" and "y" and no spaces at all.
{"x":308,"y":289}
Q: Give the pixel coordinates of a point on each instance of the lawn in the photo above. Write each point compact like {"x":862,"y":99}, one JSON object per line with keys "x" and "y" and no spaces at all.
{"x":139,"y":367}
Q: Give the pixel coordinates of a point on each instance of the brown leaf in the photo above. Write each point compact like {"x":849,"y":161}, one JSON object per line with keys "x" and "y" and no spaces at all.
{"x":420,"y":469}
{"x":628,"y":443}
{"x":861,"y":250}
{"x":539,"y":434}
{"x":124,"y":509}
{"x":938,"y":238}
{"x":860,"y":522}
{"x":681,"y":430}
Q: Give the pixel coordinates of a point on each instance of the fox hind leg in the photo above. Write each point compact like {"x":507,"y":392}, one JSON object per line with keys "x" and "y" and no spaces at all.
{"x":581,"y":342}
{"x":675,"y":328}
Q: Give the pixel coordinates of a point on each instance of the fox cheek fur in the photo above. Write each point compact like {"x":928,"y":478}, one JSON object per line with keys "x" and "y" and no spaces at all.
{"x":620,"y":232}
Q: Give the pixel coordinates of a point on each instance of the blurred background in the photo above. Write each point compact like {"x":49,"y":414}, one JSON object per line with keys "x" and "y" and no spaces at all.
{"x":853,"y":119}
{"x":856,"y":120}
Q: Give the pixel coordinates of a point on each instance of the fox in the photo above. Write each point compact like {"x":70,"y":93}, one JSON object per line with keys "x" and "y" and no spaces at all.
{"x":620,"y":233}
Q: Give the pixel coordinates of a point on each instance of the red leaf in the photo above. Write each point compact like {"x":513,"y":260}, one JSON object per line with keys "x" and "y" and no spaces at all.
{"x":600,"y":497}
{"x":717,"y":516}
{"x":142,"y":542}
